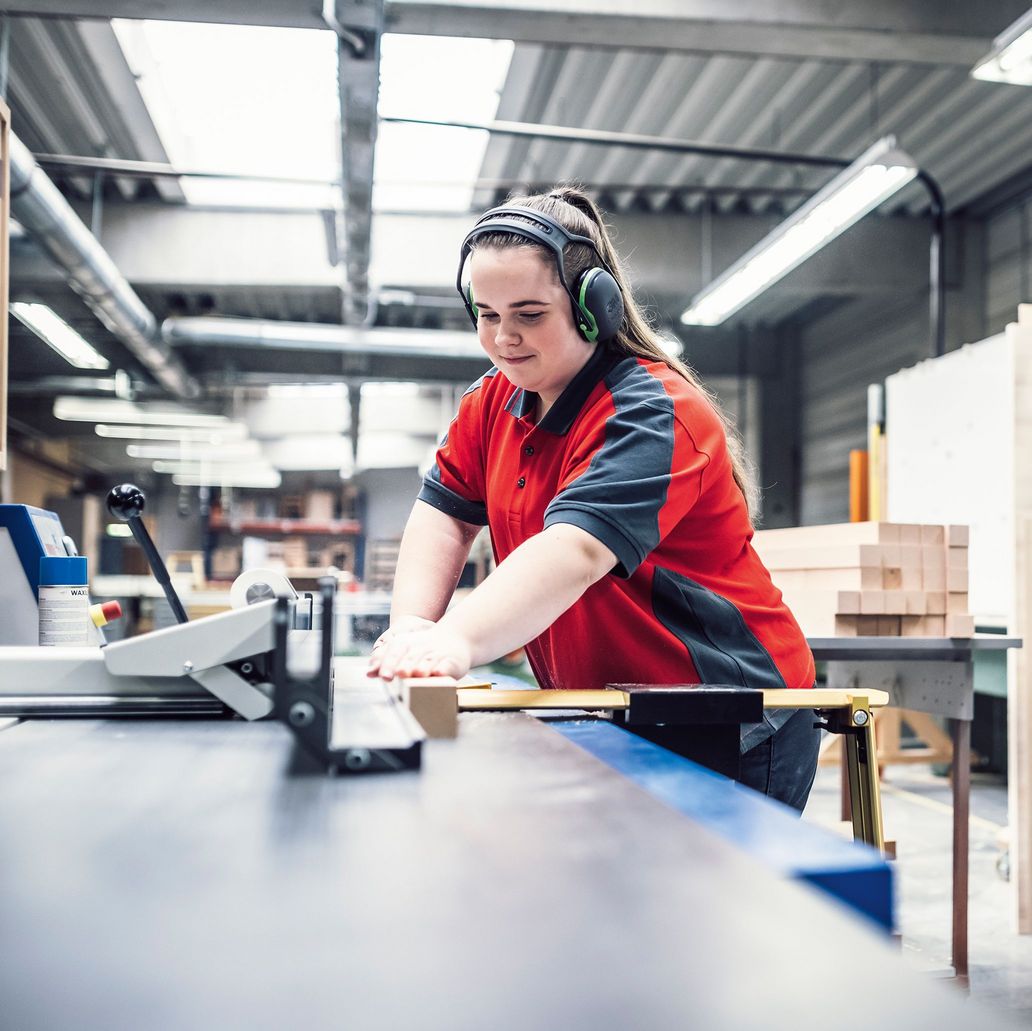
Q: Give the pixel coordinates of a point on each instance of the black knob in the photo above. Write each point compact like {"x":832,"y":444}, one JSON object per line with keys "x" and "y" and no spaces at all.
{"x":125,"y":501}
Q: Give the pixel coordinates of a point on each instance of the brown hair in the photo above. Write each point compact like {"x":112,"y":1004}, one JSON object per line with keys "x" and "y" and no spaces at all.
{"x":578,"y":213}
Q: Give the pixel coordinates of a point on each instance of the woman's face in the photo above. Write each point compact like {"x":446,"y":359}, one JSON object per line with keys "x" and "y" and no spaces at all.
{"x":526,"y":322}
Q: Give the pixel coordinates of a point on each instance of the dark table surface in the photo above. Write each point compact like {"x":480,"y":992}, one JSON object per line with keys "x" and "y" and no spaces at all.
{"x":929,"y":649}
{"x":177,"y":874}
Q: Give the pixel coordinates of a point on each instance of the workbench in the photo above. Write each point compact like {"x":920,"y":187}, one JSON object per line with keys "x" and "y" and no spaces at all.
{"x":188,"y":873}
{"x":934,"y":675}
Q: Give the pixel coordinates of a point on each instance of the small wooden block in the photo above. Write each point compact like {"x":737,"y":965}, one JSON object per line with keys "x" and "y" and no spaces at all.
{"x":912,"y":579}
{"x":911,"y":555}
{"x":935,"y":603}
{"x":848,"y":603}
{"x":909,"y":533}
{"x":872,"y":603}
{"x":889,"y":626}
{"x":956,"y":580}
{"x":959,"y":624}
{"x":894,"y":603}
{"x":866,"y":626}
{"x":911,"y":626}
{"x":891,"y":555}
{"x":934,"y":626}
{"x":916,"y":603}
{"x":845,"y":626}
{"x":933,"y":535}
{"x":933,"y":556}
{"x":892,"y":578}
{"x":871,"y":578}
{"x":957,"y":601}
{"x":435,"y":706}
{"x":958,"y":536}
{"x":934,"y":579}
{"x":956,"y":558}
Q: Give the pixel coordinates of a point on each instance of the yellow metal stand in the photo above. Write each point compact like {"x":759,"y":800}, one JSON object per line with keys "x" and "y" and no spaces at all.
{"x":846,"y":713}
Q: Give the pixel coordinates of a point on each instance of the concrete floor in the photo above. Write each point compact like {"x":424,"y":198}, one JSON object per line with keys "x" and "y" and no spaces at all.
{"x":916,"y":805}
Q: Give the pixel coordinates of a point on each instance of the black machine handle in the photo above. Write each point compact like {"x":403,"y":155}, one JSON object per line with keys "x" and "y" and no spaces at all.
{"x":126,"y":502}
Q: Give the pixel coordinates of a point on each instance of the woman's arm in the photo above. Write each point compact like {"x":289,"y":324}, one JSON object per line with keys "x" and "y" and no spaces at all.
{"x":434,"y":548}
{"x":528,"y":592}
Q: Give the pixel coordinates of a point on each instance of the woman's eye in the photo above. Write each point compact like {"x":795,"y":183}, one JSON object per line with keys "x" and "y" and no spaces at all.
{"x":489,"y":316}
{"x":531,"y":316}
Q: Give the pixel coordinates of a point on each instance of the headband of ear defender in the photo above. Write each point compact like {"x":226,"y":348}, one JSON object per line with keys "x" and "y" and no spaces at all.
{"x":597,"y":303}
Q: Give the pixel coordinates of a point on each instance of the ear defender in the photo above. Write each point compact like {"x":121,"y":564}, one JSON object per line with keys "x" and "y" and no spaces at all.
{"x":596,"y":300}
{"x":599,"y":305}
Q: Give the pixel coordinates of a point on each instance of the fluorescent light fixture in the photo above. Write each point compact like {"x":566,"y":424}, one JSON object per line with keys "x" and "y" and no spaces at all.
{"x":190,"y":466}
{"x":1010,"y":59}
{"x":53,"y":330}
{"x":875,"y":176}
{"x":229,"y":478}
{"x":195,"y":451}
{"x":112,"y":410}
{"x":230,"y":431}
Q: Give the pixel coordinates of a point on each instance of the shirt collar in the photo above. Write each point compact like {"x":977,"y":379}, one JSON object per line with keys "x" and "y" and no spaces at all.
{"x":559,"y":418}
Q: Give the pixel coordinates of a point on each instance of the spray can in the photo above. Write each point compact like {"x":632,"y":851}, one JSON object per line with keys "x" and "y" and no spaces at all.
{"x":64,"y":602}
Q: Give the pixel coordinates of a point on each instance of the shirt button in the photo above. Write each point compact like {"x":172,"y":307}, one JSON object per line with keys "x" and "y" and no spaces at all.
{"x":522,"y":481}
{"x":528,"y":450}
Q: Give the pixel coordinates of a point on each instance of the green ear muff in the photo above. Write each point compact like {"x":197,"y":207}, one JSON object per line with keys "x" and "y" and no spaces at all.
{"x":471,"y":305}
{"x":599,"y":305}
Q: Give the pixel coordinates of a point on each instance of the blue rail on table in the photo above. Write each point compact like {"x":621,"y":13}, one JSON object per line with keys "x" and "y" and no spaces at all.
{"x":771,"y":832}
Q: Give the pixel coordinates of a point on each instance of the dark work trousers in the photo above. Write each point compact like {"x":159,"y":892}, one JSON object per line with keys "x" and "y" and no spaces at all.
{"x":783,"y":766}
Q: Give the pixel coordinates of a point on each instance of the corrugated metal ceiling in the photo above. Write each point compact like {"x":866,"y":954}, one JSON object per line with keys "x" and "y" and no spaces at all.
{"x":970,"y":135}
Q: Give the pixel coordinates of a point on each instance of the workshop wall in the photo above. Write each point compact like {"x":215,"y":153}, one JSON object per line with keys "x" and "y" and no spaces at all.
{"x":1008,"y":263}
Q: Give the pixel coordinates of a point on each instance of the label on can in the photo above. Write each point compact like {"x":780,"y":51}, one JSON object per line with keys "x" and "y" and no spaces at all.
{"x":64,"y":617}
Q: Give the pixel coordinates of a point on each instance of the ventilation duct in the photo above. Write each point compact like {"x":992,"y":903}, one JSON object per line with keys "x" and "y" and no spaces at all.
{"x":39,"y":206}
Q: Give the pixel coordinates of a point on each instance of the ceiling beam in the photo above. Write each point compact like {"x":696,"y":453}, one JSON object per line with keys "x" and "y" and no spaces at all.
{"x":908,"y":31}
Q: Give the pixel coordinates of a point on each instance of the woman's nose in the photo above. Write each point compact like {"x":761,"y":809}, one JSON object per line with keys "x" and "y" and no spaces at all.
{"x":506,"y":333}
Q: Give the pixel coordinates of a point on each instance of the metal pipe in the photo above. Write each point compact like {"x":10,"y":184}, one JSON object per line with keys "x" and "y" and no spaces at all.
{"x":937,"y":266}
{"x":636,"y":141}
{"x":40,"y":207}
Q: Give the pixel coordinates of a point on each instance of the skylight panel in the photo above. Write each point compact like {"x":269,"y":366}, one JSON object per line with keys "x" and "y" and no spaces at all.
{"x":242,"y":99}
{"x":429,"y":168}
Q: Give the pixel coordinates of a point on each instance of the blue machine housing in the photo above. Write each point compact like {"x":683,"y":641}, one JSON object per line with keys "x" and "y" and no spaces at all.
{"x":853,"y":873}
{"x":34,"y":532}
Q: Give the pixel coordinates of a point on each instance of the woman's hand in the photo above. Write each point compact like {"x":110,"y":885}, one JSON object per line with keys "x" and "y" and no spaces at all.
{"x":401,"y":625}
{"x":431,"y":651}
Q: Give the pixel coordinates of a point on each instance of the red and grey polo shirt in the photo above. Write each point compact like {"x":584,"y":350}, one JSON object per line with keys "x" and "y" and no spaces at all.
{"x":636,"y":456}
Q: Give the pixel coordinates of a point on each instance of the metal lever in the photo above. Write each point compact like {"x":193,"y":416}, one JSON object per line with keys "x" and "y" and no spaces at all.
{"x":126,"y":502}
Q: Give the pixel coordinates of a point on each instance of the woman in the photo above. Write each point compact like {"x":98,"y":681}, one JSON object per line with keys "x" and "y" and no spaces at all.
{"x":616,"y":495}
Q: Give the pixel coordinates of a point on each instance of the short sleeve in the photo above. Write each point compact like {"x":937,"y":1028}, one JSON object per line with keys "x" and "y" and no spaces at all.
{"x":455,"y":482}
{"x":631,"y":480}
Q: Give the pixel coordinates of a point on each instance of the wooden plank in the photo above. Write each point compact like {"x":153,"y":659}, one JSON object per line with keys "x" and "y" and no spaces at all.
{"x":830,"y":557}
{"x":957,"y":601}
{"x":870,"y":532}
{"x":847,"y":579}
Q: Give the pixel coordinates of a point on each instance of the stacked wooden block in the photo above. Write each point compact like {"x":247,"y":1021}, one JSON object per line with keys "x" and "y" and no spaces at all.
{"x":872,"y":579}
